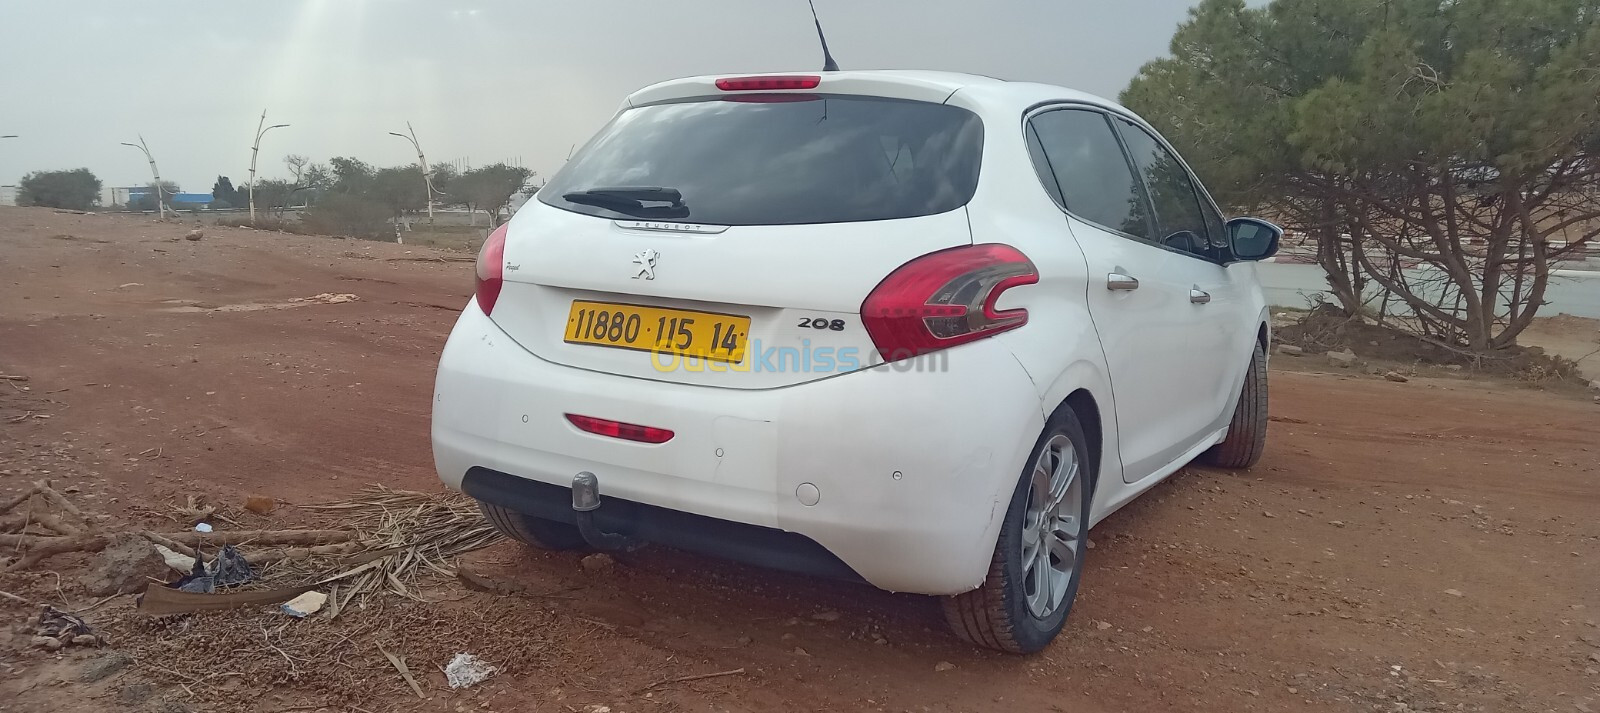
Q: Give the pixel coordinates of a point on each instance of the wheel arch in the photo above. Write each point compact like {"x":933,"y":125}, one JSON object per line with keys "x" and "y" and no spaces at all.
{"x":1085,"y":387}
{"x":1084,"y":406}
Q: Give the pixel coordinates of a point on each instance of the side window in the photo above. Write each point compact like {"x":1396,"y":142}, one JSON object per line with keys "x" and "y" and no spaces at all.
{"x":1041,"y":166}
{"x":1091,"y":173}
{"x":1180,"y":223}
{"x":1215,"y":225}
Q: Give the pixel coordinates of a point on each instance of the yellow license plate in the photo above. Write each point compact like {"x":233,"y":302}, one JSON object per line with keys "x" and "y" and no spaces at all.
{"x":681,"y":332}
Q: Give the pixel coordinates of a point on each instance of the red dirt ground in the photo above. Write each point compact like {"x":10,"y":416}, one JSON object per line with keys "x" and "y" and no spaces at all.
{"x":1422,"y":546}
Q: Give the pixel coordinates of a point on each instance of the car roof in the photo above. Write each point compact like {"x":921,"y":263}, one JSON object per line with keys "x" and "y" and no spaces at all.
{"x":896,"y":83}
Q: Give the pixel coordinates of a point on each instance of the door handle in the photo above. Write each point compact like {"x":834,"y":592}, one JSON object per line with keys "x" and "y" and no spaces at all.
{"x":1120,"y":282}
{"x":1199,"y":296}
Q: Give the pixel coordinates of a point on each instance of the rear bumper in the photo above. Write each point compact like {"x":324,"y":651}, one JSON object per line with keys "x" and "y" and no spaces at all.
{"x":913,"y":468}
{"x":751,"y":544}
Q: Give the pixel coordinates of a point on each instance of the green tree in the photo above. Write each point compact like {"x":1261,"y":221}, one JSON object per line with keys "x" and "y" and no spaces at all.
{"x":223,"y":192}
{"x":77,"y":189}
{"x":347,"y":214}
{"x":443,"y":177}
{"x":349,"y":175}
{"x":274,"y":195}
{"x":401,"y":188}
{"x":490,"y":188}
{"x":1460,"y":134}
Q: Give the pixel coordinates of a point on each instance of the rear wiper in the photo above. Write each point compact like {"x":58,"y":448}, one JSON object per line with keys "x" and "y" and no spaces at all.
{"x":634,"y":200}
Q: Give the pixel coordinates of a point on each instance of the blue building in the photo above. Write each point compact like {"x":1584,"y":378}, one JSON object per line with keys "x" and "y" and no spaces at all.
{"x":137,"y":192}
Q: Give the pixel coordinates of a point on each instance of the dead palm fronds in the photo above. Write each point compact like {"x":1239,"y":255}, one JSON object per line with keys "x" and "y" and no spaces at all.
{"x":406,"y":534}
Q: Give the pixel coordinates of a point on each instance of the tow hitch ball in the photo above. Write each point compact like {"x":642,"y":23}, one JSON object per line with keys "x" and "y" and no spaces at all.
{"x":586,"y":500}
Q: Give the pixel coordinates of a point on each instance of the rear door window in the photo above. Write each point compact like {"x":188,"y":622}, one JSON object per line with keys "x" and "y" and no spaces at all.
{"x":1091,"y":174}
{"x":777,"y":160}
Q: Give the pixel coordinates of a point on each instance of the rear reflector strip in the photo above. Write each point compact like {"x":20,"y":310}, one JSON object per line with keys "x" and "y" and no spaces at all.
{"x":617,"y":429}
{"x":761,"y":84}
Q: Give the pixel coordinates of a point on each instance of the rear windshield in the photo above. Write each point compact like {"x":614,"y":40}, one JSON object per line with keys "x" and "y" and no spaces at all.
{"x":787,"y":159}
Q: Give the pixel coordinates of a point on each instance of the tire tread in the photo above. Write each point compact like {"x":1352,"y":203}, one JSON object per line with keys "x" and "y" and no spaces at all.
{"x":1247,"y":431}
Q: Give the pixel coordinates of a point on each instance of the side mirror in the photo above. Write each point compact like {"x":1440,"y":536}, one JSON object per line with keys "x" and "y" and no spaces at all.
{"x":1253,"y":238}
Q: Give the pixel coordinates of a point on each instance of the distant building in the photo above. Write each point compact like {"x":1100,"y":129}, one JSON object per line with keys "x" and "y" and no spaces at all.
{"x":136,"y":192}
{"x":8,"y":195}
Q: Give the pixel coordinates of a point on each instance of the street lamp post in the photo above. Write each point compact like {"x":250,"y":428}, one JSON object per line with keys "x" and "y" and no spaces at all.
{"x":427,"y":177}
{"x":255,"y":149}
{"x":161,"y":206}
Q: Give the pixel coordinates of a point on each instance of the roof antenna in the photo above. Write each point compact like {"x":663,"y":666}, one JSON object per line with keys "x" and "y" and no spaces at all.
{"x":828,"y":65}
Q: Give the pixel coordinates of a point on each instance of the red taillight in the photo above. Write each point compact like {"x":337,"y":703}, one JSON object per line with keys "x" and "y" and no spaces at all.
{"x":490,"y":269}
{"x":946,"y":298}
{"x":761,"y":84}
{"x":617,"y":429}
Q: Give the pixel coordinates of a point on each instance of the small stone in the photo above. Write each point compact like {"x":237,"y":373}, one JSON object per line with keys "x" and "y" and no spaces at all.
{"x":801,"y":652}
{"x":1454,"y":592}
{"x":104,"y":666}
{"x":260,"y":504}
{"x":1102,"y":625}
{"x":943,"y":666}
{"x":86,"y":640}
{"x":1396,"y":377}
{"x":195,"y":234}
{"x":1595,"y":656}
{"x":1336,"y":523}
{"x":46,"y":642}
{"x":1290,"y":350}
{"x":1453,"y":367}
{"x":1344,"y":359}
{"x":599,"y":562}
{"x":745,"y":641}
{"x":1267,"y":514}
{"x":826,"y":616}
{"x":1088,"y":543}
{"x":123,"y":567}
{"x":1293,"y":690}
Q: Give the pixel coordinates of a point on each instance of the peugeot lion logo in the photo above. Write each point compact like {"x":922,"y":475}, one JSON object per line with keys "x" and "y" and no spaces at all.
{"x":645,"y":262}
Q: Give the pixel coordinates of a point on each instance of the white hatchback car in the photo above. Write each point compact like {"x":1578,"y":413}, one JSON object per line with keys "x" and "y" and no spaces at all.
{"x":916,"y":329}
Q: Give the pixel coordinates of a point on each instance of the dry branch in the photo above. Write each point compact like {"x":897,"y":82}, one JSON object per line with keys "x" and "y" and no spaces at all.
{"x":60,"y":500}
{"x":50,"y":546}
{"x":294,"y":553}
{"x":18,"y":499}
{"x":696,"y":677}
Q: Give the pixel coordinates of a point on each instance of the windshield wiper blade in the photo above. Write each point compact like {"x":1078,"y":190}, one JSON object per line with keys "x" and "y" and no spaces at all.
{"x":635,"y":193}
{"x":634,"y":200}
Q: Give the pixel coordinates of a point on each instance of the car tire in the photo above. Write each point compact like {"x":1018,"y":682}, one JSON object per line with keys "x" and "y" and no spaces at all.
{"x":1019,"y":608}
{"x":1247,"y":432}
{"x":532,"y":531}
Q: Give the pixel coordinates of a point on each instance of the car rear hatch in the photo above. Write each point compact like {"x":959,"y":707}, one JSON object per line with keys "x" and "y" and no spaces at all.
{"x":730,"y":240}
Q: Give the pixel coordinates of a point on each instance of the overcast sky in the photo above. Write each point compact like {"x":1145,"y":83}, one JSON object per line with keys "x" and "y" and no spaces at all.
{"x":480,"y":79}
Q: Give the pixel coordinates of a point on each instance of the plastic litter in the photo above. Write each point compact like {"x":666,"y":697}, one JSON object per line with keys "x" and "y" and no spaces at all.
{"x":176,"y":560}
{"x":228,"y":569}
{"x":304,"y":605}
{"x":203,"y":527}
{"x":466,"y":670}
